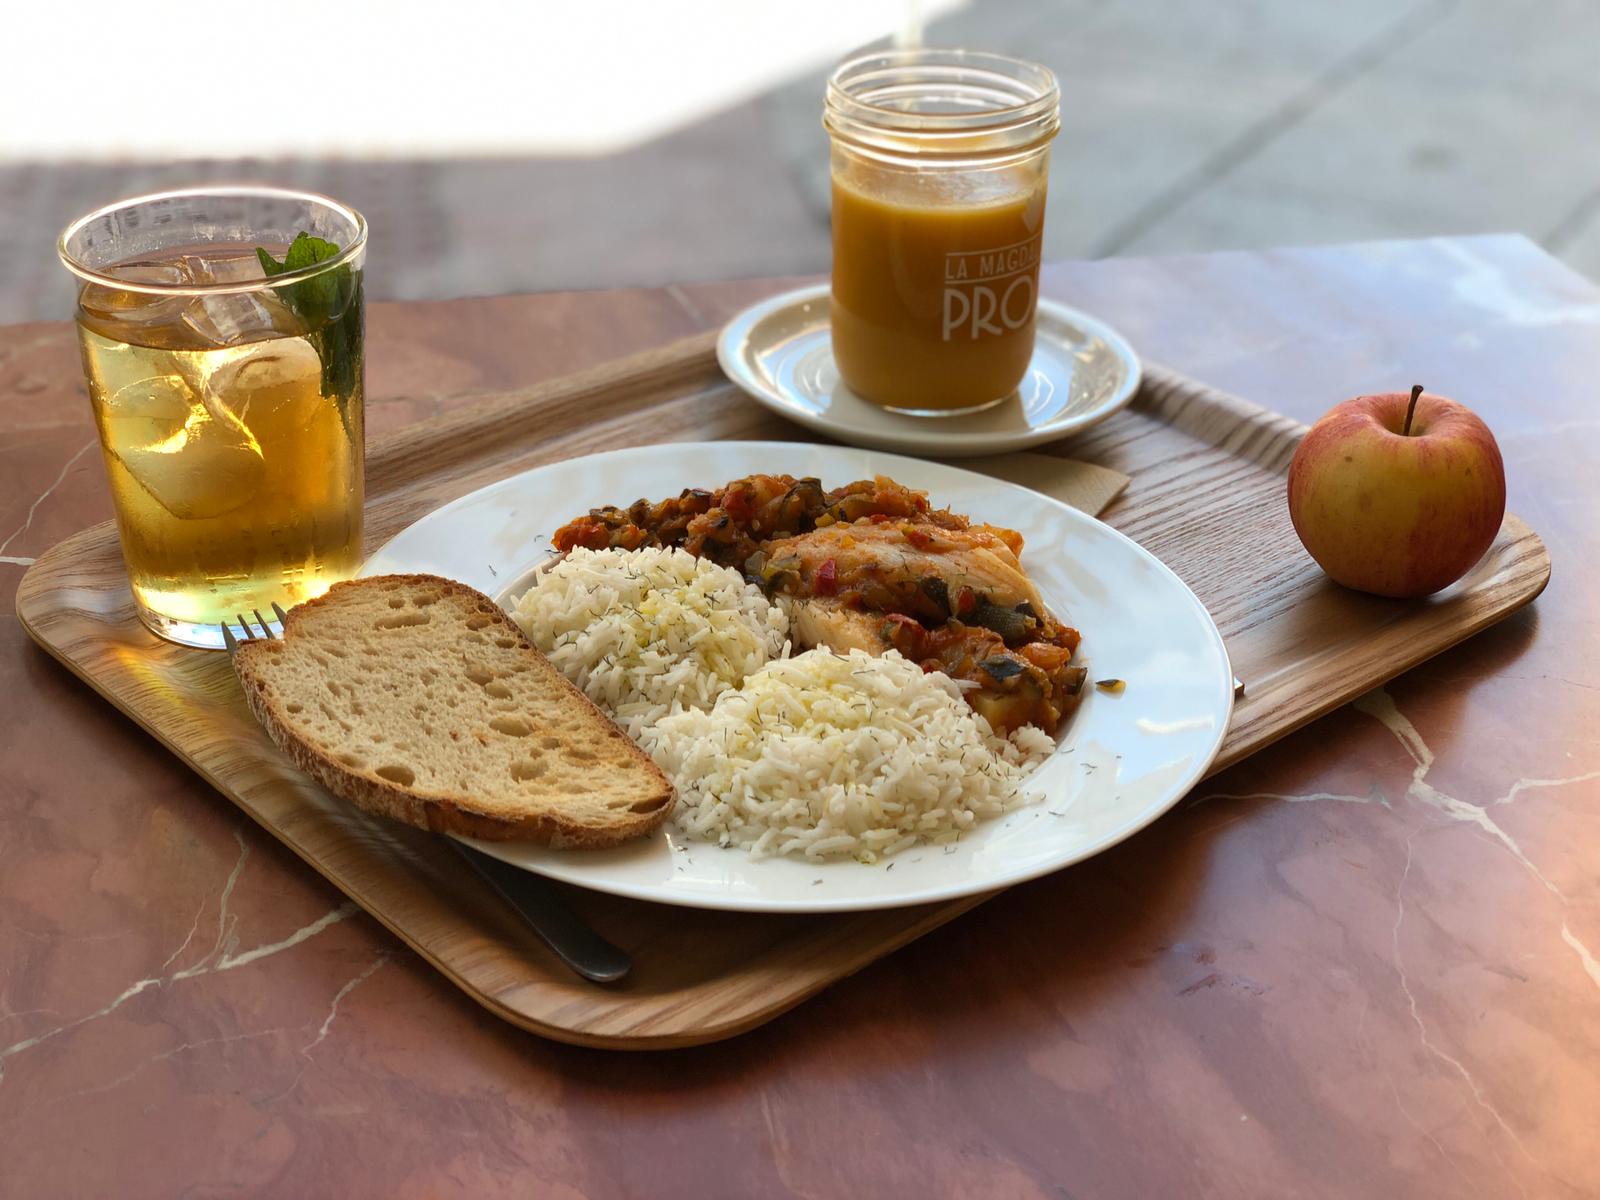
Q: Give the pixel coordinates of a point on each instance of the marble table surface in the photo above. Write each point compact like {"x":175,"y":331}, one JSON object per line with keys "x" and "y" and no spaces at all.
{"x":1365,"y":962}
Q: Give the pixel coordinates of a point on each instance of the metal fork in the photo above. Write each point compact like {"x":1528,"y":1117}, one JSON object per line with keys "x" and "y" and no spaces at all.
{"x":535,"y":900}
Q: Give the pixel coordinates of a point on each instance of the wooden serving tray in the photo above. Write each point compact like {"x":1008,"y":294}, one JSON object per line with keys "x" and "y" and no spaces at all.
{"x":1206,"y":496}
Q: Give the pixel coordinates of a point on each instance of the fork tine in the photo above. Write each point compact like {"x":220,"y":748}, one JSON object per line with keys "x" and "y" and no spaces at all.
{"x":266,"y":630}
{"x":249,"y":634}
{"x":228,"y":639}
{"x":283,"y":617}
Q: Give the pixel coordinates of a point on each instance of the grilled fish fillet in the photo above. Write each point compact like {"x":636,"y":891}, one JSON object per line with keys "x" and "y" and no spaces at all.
{"x":901,"y":555}
{"x":829,"y":623}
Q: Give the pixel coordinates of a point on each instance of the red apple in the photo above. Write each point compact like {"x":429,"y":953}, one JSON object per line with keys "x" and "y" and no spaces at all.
{"x":1397,"y":495}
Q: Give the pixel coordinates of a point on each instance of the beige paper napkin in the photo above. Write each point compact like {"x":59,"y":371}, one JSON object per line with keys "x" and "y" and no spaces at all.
{"x":1086,"y":486}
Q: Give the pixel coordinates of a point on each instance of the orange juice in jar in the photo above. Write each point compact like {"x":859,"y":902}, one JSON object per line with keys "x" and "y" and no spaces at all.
{"x":940,"y":168}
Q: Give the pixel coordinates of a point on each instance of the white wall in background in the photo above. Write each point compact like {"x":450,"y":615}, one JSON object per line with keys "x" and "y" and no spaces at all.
{"x":101,"y":79}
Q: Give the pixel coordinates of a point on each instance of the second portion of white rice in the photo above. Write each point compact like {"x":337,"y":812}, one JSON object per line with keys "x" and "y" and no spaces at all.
{"x":648,"y":633}
{"x":825,"y":755}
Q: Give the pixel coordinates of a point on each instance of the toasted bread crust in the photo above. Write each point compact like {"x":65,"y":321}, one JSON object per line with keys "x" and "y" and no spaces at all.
{"x":550,"y":820}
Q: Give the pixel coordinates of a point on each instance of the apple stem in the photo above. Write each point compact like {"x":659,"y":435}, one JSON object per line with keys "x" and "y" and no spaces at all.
{"x":1411,"y":409}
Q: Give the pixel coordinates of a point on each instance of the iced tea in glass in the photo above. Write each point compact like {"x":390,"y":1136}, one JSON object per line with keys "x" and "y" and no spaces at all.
{"x":221,"y":333}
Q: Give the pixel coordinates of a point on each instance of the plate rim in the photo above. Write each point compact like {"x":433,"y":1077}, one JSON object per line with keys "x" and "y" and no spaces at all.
{"x":956,"y":891}
{"x":929,"y":440}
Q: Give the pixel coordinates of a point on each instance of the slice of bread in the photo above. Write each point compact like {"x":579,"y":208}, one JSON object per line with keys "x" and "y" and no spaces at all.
{"x":417,"y":698}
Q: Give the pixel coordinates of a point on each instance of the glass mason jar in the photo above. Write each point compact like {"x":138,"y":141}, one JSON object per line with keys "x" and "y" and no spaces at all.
{"x":221,"y":333}
{"x":940,"y":162}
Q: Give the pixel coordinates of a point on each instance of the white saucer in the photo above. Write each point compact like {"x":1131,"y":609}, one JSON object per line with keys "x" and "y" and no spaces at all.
{"x":781,"y":352}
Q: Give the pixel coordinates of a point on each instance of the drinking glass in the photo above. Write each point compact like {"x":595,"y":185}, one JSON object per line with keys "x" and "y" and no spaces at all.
{"x":221,"y":332}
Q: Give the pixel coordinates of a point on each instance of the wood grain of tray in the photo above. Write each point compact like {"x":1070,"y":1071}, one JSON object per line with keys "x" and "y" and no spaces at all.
{"x":1206,"y":497}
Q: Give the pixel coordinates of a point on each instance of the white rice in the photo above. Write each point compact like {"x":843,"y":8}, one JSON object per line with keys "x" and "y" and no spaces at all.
{"x":825,"y":755}
{"x":649,"y":633}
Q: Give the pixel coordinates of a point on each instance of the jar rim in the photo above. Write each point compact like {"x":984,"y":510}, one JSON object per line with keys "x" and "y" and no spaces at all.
{"x":107,"y":277}
{"x":872,"y":100}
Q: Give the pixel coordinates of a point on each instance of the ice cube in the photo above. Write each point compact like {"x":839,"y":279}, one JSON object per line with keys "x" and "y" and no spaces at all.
{"x":111,"y":309}
{"x":170,"y":273}
{"x":222,"y":268}
{"x":229,"y":318}
{"x":145,"y":412}
{"x":273,"y":389}
{"x":194,"y":462}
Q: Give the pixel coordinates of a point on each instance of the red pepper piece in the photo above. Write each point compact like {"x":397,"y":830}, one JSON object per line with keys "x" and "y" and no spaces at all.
{"x":826,"y":580}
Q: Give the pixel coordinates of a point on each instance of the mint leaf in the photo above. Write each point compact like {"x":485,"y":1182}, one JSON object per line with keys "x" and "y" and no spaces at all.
{"x":329,"y":309}
{"x":316,"y":300}
{"x":307,"y":251}
{"x":269,"y":265}
{"x":338,"y":345}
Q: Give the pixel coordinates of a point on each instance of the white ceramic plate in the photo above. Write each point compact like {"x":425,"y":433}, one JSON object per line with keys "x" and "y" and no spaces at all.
{"x":1124,"y":759}
{"x":781,"y":352}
